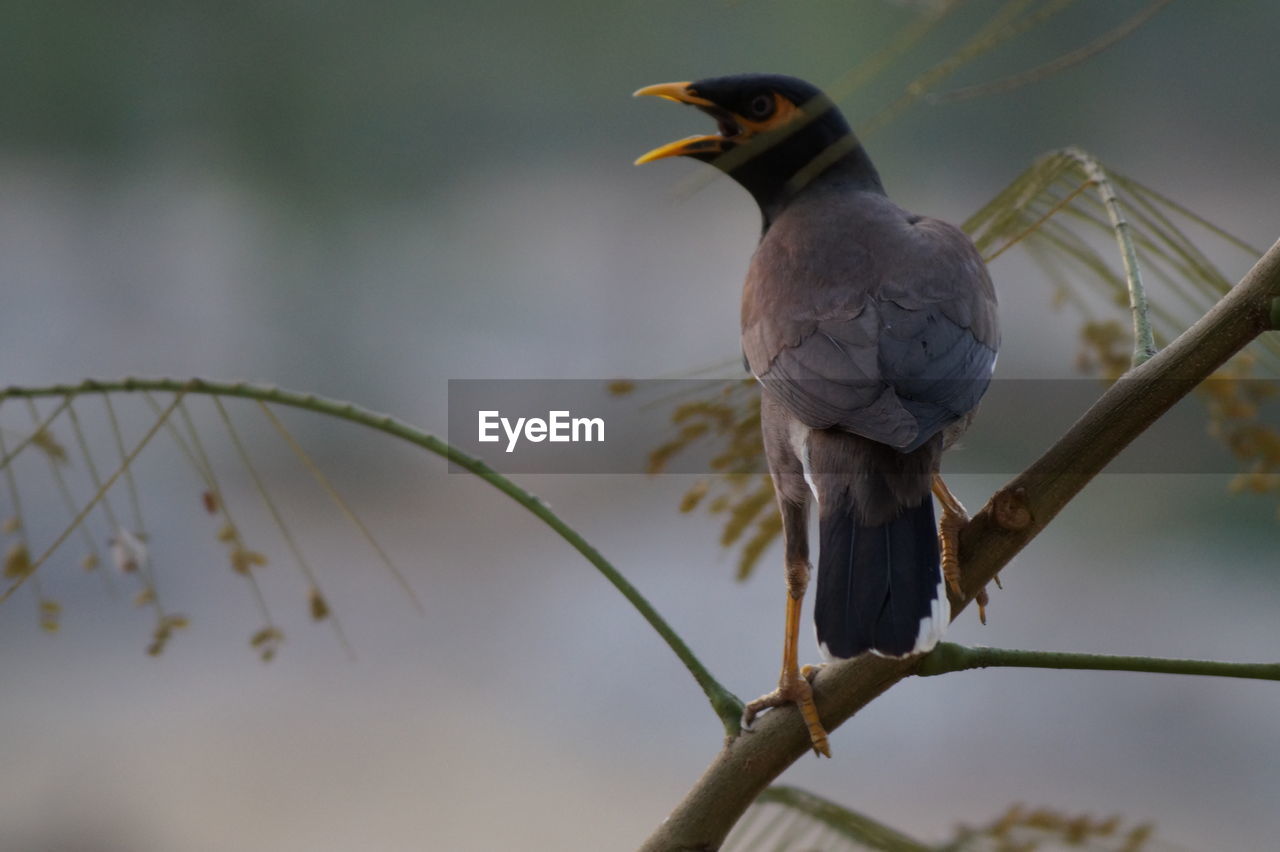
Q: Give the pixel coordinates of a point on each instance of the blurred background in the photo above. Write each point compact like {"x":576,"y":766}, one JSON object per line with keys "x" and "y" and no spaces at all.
{"x":367,"y":200}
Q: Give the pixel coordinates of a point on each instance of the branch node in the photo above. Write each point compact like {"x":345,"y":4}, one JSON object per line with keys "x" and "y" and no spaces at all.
{"x":1010,"y":509}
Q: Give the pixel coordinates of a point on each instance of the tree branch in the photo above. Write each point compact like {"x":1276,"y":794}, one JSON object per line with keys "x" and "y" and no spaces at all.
{"x":727,"y":706}
{"x":1009,"y":521}
{"x":948,"y":657}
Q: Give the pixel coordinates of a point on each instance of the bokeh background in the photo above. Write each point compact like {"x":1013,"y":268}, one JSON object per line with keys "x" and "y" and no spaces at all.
{"x":366,"y":200}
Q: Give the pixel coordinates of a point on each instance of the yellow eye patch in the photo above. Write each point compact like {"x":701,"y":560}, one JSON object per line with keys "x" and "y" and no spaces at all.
{"x":784,"y":112}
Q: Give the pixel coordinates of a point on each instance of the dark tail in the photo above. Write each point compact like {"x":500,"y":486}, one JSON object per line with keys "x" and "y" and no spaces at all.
{"x":879,"y":587}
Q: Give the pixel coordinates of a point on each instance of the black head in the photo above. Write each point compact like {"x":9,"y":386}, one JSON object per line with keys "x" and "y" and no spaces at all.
{"x":777,"y":134}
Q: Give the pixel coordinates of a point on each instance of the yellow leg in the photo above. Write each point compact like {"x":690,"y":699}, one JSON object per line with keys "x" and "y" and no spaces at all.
{"x":953,"y":520}
{"x":793,"y":685}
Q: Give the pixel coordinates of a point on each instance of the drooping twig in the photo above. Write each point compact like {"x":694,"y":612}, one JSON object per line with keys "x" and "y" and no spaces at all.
{"x":283,"y":528}
{"x":727,"y":706}
{"x":343,"y":506}
{"x":1007,"y":23}
{"x":37,"y":431}
{"x":55,"y":460}
{"x":88,"y":507}
{"x":1055,"y":66}
{"x":847,"y":826}
{"x":1144,"y":345}
{"x":135,"y":504}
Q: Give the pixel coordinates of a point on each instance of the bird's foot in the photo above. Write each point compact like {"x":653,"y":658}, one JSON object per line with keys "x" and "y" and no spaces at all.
{"x":982,"y":599}
{"x":793,"y":688}
{"x":954,"y":519}
{"x":949,"y":527}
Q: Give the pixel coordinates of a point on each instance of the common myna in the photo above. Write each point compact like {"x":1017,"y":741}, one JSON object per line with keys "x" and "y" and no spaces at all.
{"x":873,"y":333}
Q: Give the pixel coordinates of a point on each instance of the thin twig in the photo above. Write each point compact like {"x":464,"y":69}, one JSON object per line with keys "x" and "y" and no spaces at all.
{"x":12,"y":482}
{"x":1035,"y":226}
{"x":949,"y":657}
{"x":1142,"y":189}
{"x":39,"y":429}
{"x":727,"y":706}
{"x":236,"y":540}
{"x":285,"y":532}
{"x":88,"y":507}
{"x":332,"y":490}
{"x":83,"y":444}
{"x":1056,"y":66}
{"x":902,"y":41}
{"x":1144,"y":345}
{"x":60,"y":481}
{"x":849,"y":825}
{"x":134,"y":503}
{"x":1003,"y":26}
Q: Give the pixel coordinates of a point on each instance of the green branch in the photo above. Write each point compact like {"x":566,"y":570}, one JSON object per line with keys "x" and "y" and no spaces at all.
{"x":949,"y":657}
{"x":845,"y":822}
{"x":1144,"y":345}
{"x":726,"y":705}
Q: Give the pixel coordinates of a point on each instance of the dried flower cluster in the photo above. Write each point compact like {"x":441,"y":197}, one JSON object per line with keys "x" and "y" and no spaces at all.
{"x":1022,"y":829}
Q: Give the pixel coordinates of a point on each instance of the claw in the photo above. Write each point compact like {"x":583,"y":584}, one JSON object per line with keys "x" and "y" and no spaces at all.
{"x":793,"y":690}
{"x":949,"y":528}
{"x":954,"y":519}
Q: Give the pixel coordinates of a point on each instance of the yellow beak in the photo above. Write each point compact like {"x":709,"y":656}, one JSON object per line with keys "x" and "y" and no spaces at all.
{"x":681,"y":94}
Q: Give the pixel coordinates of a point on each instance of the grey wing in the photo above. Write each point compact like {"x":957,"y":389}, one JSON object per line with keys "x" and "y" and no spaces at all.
{"x":939,"y":342}
{"x":833,"y":378}
{"x":915,"y":356}
{"x":938,"y":368}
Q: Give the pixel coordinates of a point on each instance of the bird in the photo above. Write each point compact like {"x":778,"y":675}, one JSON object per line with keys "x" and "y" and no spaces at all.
{"x":873,"y":334}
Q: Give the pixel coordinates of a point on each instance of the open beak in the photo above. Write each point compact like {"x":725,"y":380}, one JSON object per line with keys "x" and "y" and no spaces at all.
{"x":709,"y":145}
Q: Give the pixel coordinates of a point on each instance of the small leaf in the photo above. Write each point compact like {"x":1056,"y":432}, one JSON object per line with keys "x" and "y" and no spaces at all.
{"x":43,"y":440}
{"x":694,"y":495}
{"x":17,"y":561}
{"x":265,"y":636}
{"x":50,"y":610}
{"x":242,"y":559}
{"x":267,"y":642}
{"x":319,"y":606}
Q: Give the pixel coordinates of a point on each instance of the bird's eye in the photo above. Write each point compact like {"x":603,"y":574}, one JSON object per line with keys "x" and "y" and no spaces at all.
{"x":761,"y":106}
